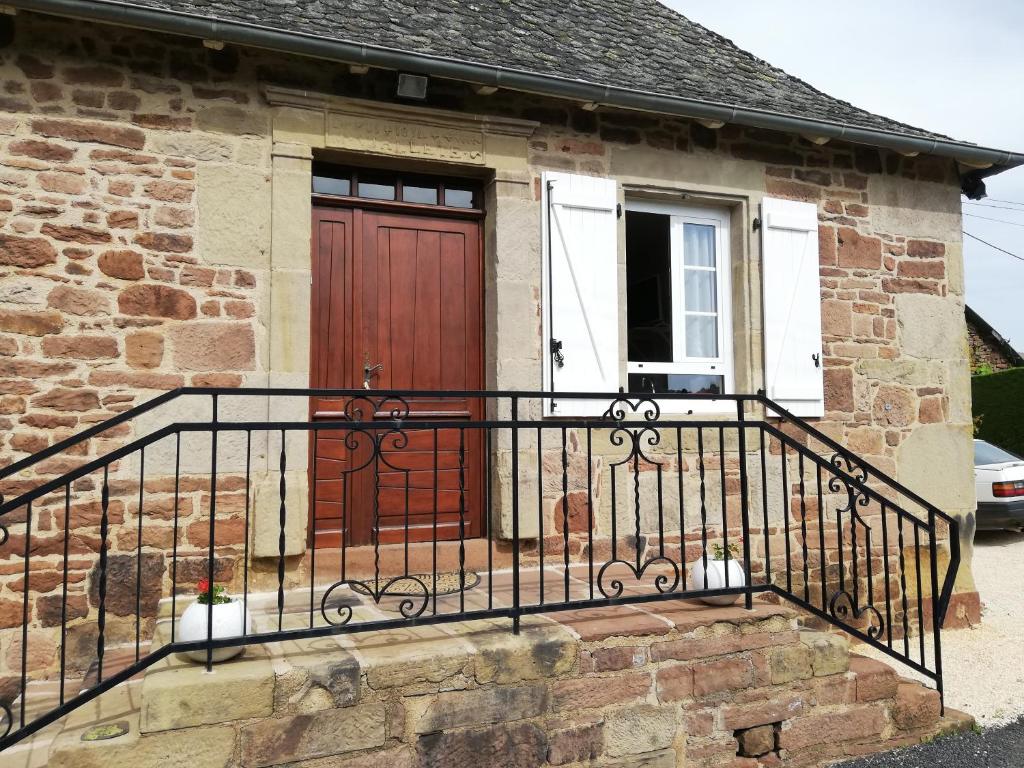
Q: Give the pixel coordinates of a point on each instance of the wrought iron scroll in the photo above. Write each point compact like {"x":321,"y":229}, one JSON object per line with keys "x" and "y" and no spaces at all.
{"x":412,"y":605}
{"x":7,"y":718}
{"x":637,"y":435}
{"x":845,"y":604}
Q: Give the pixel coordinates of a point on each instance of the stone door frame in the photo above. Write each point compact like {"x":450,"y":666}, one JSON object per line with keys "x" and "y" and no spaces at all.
{"x":305,"y":124}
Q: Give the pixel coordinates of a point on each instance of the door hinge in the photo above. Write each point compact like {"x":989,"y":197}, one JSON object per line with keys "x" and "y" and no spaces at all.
{"x":757,"y":224}
{"x":618,"y":210}
{"x":556,"y":353}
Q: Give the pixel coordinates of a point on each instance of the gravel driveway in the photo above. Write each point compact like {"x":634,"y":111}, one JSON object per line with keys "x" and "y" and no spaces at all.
{"x":995,"y":748}
{"x":983,"y":666}
{"x":983,"y":669}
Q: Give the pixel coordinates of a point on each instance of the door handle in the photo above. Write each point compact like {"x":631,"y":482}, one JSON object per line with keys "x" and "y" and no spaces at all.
{"x":370,"y":370}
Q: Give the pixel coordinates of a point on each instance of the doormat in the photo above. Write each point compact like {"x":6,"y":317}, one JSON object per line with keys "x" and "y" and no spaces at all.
{"x":412,"y":585}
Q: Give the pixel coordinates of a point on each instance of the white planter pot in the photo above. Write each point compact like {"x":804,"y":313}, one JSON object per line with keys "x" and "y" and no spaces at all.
{"x":229,"y":620}
{"x":716,"y":579}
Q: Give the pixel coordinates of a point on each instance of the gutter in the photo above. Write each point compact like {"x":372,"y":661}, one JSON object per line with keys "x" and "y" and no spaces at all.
{"x":978,"y":162}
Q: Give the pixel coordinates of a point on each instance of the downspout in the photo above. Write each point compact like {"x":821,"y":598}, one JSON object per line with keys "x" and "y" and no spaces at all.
{"x":982,"y":160}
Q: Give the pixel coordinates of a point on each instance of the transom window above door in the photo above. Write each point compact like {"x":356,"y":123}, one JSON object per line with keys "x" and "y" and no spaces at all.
{"x":391,"y":186}
{"x":678,"y":299}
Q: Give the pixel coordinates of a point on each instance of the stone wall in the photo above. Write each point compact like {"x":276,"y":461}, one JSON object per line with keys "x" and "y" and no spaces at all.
{"x":676,"y":685}
{"x":985,"y":352}
{"x":139,"y":179}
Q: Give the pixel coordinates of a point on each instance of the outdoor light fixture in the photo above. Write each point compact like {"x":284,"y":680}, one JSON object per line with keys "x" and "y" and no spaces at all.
{"x":412,"y":86}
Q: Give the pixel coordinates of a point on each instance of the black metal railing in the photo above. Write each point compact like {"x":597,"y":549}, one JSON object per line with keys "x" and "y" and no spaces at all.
{"x":431,"y":507}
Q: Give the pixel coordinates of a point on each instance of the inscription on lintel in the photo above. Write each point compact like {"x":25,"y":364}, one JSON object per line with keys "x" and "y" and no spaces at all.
{"x":364,"y":133}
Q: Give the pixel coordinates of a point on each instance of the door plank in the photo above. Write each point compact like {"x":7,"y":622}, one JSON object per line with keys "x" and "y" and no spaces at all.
{"x":405,"y":291}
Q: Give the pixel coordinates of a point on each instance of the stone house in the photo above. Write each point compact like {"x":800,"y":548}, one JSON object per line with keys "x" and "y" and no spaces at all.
{"x":987,"y":345}
{"x":460,"y":199}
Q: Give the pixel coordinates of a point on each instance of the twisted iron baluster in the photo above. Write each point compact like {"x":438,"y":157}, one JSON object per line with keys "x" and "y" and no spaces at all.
{"x":174,"y":543}
{"x":703,"y":504}
{"x":245,"y":549}
{"x":682,"y":505}
{"x":104,"y":530}
{"x":636,"y":504}
{"x":725,"y":515}
{"x":282,"y":519}
{"x":213,"y":529}
{"x":138,"y":556}
{"x":64,"y":590}
{"x":565,"y":515}
{"x":24,"y":613}
{"x":462,"y":520}
{"x":803,"y":529}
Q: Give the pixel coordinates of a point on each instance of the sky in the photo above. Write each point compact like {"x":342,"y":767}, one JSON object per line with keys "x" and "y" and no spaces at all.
{"x":944,"y":65}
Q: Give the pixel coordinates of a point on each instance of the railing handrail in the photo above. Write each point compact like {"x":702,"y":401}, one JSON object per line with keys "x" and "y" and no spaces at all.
{"x":173,"y":394}
{"x":220,"y":426}
{"x":946,"y":592}
{"x":633,"y":413}
{"x":166,"y":397}
{"x":823,"y":438}
{"x":783,"y":414}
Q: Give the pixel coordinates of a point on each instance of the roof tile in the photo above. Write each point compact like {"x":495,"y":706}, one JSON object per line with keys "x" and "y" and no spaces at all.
{"x":639,"y":45}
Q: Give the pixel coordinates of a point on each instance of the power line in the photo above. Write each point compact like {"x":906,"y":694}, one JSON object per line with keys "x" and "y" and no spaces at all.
{"x":997,"y":200}
{"x":1000,"y":207}
{"x":998,"y":221}
{"x":986,"y":242}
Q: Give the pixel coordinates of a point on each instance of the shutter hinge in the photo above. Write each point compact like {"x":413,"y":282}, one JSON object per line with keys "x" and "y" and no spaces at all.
{"x":757,"y":223}
{"x":618,"y":210}
{"x":556,"y":353}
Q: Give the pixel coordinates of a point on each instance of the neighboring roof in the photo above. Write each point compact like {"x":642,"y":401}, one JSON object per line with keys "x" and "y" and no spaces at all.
{"x":609,"y":51}
{"x":994,"y":337}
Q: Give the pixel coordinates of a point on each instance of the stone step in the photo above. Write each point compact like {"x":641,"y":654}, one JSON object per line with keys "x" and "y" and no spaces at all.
{"x":665,"y":684}
{"x":105,"y":732}
{"x":43,"y":696}
{"x":179,"y":693}
{"x":874,"y":679}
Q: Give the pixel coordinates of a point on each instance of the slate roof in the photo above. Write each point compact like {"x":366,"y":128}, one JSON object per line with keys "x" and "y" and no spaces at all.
{"x":639,"y":45}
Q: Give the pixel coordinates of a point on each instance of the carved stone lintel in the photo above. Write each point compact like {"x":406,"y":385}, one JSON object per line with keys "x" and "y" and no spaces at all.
{"x":374,"y":127}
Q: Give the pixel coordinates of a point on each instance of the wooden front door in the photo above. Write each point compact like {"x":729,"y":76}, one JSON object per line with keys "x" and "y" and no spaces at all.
{"x":402,"y":292}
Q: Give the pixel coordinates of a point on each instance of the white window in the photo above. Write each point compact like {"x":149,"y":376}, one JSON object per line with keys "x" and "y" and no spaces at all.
{"x":678,"y":301}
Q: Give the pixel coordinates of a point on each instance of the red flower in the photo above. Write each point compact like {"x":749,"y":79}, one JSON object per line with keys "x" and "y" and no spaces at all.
{"x":204,"y":585}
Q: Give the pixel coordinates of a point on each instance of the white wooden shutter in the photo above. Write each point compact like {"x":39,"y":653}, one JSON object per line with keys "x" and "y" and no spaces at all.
{"x":581,"y":293}
{"x":794,"y":376}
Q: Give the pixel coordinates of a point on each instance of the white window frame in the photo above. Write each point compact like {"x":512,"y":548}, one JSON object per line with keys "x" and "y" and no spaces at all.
{"x":723,"y":364}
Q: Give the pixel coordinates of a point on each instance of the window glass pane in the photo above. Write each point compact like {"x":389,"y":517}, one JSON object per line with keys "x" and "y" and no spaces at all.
{"x":458,"y":198}
{"x":414,"y":194}
{"x":701,"y":336}
{"x":326,"y":185}
{"x":699,"y":245}
{"x":700,"y":290}
{"x":376,"y":191}
{"x":683,"y":383}
{"x":648,"y":287}
{"x":986,"y":453}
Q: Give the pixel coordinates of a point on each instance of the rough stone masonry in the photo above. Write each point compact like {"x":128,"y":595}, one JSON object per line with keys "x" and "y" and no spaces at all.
{"x":140,"y":174}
